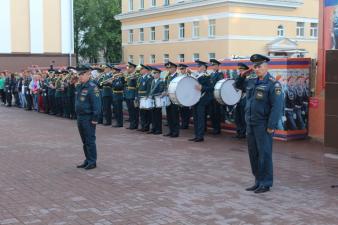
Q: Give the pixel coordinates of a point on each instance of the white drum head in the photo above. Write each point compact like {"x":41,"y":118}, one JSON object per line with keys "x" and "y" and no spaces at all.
{"x":229,"y":94}
{"x":185,"y":92}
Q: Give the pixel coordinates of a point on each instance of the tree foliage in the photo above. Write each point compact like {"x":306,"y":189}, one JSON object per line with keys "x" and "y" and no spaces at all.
{"x":97,"y":33}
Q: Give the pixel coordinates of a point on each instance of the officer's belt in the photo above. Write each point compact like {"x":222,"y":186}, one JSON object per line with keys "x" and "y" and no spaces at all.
{"x":298,"y":106}
{"x":142,"y":92}
{"x":131,"y":88}
{"x":117,"y":92}
{"x":288,"y":109}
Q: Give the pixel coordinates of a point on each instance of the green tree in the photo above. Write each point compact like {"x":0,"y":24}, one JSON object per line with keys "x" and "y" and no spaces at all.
{"x":96,"y":31}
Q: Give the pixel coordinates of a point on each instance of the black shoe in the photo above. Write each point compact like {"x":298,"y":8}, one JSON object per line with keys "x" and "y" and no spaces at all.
{"x":90,"y":166}
{"x":262,"y":189}
{"x":129,"y":128}
{"x":150,"y":132}
{"x":83,"y":165}
{"x":146,"y":130}
{"x":142,"y":130}
{"x":106,"y":124}
{"x":199,"y":140}
{"x":252,"y":188}
{"x":157,"y":133}
{"x":117,"y":126}
{"x":167,"y":135}
{"x":174,"y":135}
{"x":192,"y":139}
{"x":216,"y":132}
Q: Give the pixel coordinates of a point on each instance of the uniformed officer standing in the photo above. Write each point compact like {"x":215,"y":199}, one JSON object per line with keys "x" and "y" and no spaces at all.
{"x":130,"y":96}
{"x":185,"y":112}
{"x":157,"y":89}
{"x":87,"y":107}
{"x":214,"y":108}
{"x":107,"y":97}
{"x":117,"y":88}
{"x":263,"y":110}
{"x":199,"y":109}
{"x":173,"y":114}
{"x":144,"y":85}
{"x":240,"y":107}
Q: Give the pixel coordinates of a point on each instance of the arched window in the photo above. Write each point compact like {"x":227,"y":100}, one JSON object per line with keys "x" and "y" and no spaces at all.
{"x":280,"y":31}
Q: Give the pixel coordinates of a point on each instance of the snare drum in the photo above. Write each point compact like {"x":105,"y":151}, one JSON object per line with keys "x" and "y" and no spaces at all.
{"x":182,"y":91}
{"x":162,"y":101}
{"x":225,"y":93}
{"x":146,"y":103}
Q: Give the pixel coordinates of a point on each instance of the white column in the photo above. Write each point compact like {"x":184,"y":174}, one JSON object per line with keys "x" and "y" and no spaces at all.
{"x":5,"y":27}
{"x":36,"y":25}
{"x":66,"y":27}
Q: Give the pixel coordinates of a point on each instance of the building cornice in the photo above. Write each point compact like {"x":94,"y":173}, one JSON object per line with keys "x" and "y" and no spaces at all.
{"x":203,"y":3}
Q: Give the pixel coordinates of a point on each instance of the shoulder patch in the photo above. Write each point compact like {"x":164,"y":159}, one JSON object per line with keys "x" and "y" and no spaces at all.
{"x":92,"y":84}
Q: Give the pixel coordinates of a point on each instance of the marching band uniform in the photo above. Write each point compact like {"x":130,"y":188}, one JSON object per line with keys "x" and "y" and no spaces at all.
{"x":214,"y":108}
{"x":107,"y":98}
{"x":130,"y":96}
{"x":240,"y":107}
{"x":144,"y":85}
{"x":173,"y":116}
{"x":117,"y":88}
{"x":157,"y":88}
{"x":200,"y":108}
{"x":185,"y":112}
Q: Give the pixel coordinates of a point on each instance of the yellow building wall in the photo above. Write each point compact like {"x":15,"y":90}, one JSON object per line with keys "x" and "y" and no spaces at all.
{"x":20,"y":26}
{"x":52,"y":26}
{"x":228,"y":32}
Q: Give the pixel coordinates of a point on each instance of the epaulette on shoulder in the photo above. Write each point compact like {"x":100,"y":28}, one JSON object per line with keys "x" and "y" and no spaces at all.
{"x":92,"y":84}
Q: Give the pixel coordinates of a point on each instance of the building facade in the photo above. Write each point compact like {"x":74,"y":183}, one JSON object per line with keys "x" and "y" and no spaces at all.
{"x":35,"y":32}
{"x":155,"y":31}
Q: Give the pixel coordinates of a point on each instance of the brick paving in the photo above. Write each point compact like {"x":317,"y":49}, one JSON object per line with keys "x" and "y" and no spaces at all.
{"x":146,"y":179}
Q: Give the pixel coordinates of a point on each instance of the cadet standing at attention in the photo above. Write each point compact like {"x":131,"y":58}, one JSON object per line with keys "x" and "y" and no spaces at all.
{"x":87,"y":107}
{"x":263,"y":110}
{"x":214,"y":108}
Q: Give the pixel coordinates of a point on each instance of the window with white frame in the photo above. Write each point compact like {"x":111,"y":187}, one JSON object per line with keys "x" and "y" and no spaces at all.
{"x":280,"y":31}
{"x":196,"y":29}
{"x":131,"y":36}
{"x":141,"y":34}
{"x":300,"y":29}
{"x":166,"y":2}
{"x":141,"y":59}
{"x":131,"y":5}
{"x":196,"y":56}
{"x":181,"y":58}
{"x":212,"y":55}
{"x":314,"y":30}
{"x":181,"y":33}
{"x":152,"y":34}
{"x":153,"y":3}
{"x":212,"y":28}
{"x":166,"y":33}
{"x":165,"y":58}
{"x":152,"y":58}
{"x":131,"y":58}
{"x":141,"y":4}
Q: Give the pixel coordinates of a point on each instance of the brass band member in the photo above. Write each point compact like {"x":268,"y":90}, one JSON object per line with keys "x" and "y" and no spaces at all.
{"x":144,"y":85}
{"x":118,"y":87}
{"x":200,"y":108}
{"x":214,"y":108}
{"x":173,"y":115}
{"x":185,"y":112}
{"x":156,"y":90}
{"x":130,"y":96}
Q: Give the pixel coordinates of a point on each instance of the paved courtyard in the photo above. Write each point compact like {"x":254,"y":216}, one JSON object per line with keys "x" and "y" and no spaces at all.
{"x":144,"y":179}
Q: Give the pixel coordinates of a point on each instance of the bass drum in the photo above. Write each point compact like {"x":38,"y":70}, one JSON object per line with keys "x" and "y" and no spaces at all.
{"x":225,"y":93}
{"x":182,"y":91}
